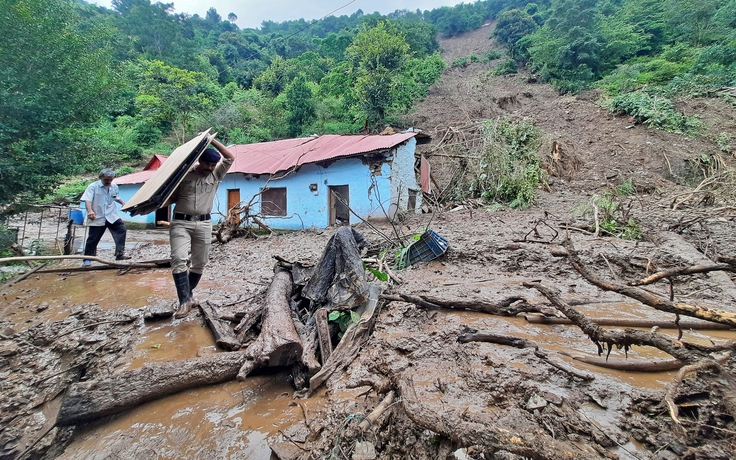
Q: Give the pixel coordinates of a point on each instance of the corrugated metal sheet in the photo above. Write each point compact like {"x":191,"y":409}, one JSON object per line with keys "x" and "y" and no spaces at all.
{"x":272,"y":157}
{"x":167,"y":177}
{"x":425,"y":173}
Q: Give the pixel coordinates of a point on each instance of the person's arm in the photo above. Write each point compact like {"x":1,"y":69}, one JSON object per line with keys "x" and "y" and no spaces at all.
{"x":87,"y":198}
{"x":222,"y":149}
{"x":91,"y":215}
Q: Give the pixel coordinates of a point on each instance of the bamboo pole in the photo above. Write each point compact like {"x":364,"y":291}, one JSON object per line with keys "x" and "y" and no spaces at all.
{"x":82,"y":257}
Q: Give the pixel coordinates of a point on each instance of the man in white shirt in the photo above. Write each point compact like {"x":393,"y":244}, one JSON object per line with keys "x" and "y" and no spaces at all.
{"x":99,"y":199}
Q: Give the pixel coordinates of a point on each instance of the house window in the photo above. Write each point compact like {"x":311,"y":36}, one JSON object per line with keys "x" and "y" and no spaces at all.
{"x":273,"y":202}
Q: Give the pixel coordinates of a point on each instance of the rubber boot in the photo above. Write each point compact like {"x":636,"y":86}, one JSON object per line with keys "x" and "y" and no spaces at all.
{"x":181,"y":281}
{"x":193,"y":282}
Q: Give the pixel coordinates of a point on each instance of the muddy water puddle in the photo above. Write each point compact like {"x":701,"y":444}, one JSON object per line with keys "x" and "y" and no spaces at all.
{"x":53,"y":296}
{"x":564,"y":338}
{"x":231,"y":420}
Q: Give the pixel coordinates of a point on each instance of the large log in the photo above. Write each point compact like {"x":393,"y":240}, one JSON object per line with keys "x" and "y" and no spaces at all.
{"x":634,"y":322}
{"x":87,"y":401}
{"x":511,"y":306}
{"x":223,"y":335}
{"x":278,"y":344}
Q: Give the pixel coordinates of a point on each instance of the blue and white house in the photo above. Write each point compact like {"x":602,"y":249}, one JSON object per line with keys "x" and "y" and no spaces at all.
{"x":310,"y":182}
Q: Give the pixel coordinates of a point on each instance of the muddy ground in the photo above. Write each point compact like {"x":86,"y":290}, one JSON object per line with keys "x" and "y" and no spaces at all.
{"x":467,"y":399}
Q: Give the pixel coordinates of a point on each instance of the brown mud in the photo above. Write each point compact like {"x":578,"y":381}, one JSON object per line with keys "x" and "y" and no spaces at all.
{"x":463,"y":400}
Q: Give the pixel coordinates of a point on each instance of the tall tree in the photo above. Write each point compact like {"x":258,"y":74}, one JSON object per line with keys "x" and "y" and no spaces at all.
{"x":512,"y":25}
{"x":56,"y":82}
{"x":378,"y":55}
{"x":300,"y":106}
{"x":174,"y":96}
{"x":153,"y":31}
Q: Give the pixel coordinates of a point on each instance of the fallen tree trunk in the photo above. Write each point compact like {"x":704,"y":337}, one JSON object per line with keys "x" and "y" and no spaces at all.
{"x":509,"y":307}
{"x":227,"y":231}
{"x":87,"y":401}
{"x":633,"y":322}
{"x":518,"y":342}
{"x":687,"y":353}
{"x":708,"y":314}
{"x":632,"y":365}
{"x":278,"y":344}
{"x":224,"y":337}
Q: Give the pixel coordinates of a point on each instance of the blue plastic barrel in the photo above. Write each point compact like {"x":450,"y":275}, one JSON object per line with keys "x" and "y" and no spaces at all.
{"x":77,"y":216}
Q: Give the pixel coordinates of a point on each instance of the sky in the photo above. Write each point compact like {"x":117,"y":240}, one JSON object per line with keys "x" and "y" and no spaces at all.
{"x":251,"y":13}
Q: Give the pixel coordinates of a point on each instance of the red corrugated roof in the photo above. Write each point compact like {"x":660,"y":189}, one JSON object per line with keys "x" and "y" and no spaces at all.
{"x":141,"y":176}
{"x":272,"y":157}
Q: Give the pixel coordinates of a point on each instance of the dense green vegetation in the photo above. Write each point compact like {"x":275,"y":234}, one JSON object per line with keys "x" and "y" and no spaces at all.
{"x":86,"y":86}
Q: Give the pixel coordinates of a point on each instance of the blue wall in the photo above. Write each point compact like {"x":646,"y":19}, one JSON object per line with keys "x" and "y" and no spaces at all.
{"x":370,"y":193}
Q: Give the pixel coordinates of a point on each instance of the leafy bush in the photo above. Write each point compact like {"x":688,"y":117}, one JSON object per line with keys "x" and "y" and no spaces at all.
{"x":505,"y":68}
{"x":460,"y":62}
{"x":723,"y":141}
{"x":493,"y":54}
{"x":509,"y":171}
{"x":123,"y":170}
{"x":67,"y":192}
{"x":655,"y":111}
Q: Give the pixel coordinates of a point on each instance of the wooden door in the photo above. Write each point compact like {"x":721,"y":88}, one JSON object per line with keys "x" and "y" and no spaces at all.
{"x":233,"y":206}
